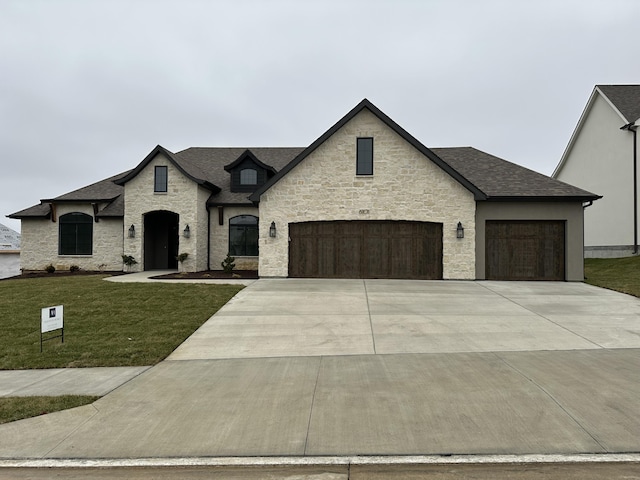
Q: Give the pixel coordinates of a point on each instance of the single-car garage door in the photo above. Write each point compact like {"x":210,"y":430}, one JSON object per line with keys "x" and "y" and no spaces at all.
{"x":366,"y":249}
{"x":525,"y":250}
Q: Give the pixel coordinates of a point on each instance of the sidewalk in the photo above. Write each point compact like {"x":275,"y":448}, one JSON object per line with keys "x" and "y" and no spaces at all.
{"x":65,"y":381}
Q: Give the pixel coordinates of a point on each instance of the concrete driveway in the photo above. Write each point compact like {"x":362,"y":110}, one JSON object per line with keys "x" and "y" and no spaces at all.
{"x":308,"y":317}
{"x":312,"y":368}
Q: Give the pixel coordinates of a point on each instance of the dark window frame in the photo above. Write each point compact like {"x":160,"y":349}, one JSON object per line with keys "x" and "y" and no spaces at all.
{"x":254,"y":176}
{"x":243,"y":236}
{"x":75,"y":234}
{"x":161,"y":180}
{"x":364,"y":156}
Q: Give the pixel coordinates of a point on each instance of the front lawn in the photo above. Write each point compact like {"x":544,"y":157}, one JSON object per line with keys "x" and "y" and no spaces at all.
{"x":620,"y":274}
{"x":106,"y":324}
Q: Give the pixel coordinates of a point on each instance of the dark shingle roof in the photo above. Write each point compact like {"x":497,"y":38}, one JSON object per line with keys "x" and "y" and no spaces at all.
{"x":626,"y":99}
{"x":214,"y":159}
{"x":499,"y":179}
{"x":103,"y":191}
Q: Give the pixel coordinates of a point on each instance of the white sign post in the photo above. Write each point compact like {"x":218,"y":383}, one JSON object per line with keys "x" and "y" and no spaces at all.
{"x":51,"y":319}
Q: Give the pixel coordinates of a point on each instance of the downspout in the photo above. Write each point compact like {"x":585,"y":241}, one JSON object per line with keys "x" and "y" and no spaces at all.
{"x":208,"y":238}
{"x":632,"y":127}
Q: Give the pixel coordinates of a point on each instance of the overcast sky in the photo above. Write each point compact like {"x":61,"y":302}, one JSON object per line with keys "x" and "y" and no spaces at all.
{"x":89,"y":87}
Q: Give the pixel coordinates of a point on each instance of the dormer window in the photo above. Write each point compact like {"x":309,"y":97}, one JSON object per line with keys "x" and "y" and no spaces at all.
{"x":248,"y":176}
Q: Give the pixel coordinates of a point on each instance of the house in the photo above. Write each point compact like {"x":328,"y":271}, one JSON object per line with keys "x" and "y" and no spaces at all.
{"x":365,"y":200}
{"x":602,"y":156}
{"x":9,"y":252}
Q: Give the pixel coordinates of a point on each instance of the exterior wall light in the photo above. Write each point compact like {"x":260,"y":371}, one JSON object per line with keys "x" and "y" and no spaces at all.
{"x":459,"y":231}
{"x":132,"y":231}
{"x":272,"y":230}
{"x":187,"y":232}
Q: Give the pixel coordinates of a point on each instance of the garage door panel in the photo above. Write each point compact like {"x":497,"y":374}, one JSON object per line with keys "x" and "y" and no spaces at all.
{"x":525,"y":250}
{"x":366,"y":249}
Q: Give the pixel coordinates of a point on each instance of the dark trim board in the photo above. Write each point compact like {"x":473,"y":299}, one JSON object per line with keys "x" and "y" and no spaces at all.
{"x":365,"y":249}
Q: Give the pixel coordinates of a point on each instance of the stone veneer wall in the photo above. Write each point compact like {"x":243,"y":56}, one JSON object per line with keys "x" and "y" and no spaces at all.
{"x":405,"y":186}
{"x":39,"y":243}
{"x":220,"y":237}
{"x":182,"y":198}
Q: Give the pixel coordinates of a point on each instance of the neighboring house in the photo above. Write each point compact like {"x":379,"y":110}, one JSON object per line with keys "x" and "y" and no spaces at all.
{"x":9,"y":252}
{"x":602,"y":156}
{"x":365,"y":200}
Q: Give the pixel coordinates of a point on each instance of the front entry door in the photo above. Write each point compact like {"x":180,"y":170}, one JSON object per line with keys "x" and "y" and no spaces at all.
{"x":160,"y":241}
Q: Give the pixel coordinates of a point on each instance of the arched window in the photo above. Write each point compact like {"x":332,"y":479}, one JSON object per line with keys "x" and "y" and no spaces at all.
{"x":243,"y":236}
{"x":76,"y":234}
{"x":248,"y":176}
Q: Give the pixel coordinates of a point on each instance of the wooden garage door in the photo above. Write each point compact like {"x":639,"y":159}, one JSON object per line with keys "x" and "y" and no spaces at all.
{"x":525,"y":250}
{"x":365,"y":249}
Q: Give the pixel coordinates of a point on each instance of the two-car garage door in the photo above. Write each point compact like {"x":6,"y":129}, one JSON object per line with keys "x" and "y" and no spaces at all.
{"x":365,"y":249}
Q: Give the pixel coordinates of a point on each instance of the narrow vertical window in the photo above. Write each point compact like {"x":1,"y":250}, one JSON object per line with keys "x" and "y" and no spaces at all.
{"x":364,"y":160}
{"x":160,"y":183}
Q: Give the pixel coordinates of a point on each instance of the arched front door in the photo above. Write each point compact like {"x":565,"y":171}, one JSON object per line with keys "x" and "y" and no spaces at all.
{"x":160,"y":240}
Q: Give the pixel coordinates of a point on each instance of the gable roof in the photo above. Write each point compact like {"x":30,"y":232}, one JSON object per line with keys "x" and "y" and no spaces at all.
{"x":487,"y":177}
{"x":185,"y":166}
{"x":625,"y":98}
{"x":366,"y":104}
{"x":248,"y":154}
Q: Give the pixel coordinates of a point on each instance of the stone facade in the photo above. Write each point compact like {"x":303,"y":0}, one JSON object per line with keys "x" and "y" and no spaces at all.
{"x":220,"y":238}
{"x":183,"y":197}
{"x":40,"y":243}
{"x":405,"y":186}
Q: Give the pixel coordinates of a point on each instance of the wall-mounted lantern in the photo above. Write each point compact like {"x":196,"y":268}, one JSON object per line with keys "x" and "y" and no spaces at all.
{"x":459,"y":231}
{"x":187,"y":232}
{"x":272,"y":230}
{"x":132,"y":231}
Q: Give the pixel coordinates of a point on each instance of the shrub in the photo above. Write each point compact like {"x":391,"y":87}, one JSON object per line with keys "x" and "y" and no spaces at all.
{"x":227,"y":264}
{"x":74,"y":268}
{"x":50,"y":268}
{"x":129,"y":261}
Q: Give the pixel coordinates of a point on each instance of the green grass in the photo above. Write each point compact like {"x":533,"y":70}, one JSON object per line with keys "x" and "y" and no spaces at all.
{"x":106,"y":324}
{"x":17,"y":408}
{"x":620,"y":274}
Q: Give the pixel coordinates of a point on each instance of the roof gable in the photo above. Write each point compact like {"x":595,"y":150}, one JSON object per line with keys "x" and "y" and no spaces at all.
{"x":187,"y":168}
{"x":247,"y":154}
{"x":366,"y":104}
{"x":625,"y":99}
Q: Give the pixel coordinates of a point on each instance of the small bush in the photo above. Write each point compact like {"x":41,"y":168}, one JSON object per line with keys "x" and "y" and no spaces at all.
{"x":74,"y":268}
{"x":50,"y":268}
{"x":227,"y":264}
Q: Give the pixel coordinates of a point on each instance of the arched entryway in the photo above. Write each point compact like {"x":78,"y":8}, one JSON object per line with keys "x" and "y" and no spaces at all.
{"x":160,"y":240}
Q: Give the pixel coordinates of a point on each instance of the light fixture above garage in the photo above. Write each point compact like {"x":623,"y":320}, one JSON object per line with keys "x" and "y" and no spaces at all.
{"x":272,"y":230}
{"x":132,"y":231}
{"x":459,"y":231}
{"x":186,"y":232}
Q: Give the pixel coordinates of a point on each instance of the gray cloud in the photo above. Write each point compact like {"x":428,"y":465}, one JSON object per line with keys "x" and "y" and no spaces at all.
{"x":90,"y":87}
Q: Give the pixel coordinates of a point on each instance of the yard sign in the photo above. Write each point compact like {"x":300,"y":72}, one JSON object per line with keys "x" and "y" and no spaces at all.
{"x":51,"y":319}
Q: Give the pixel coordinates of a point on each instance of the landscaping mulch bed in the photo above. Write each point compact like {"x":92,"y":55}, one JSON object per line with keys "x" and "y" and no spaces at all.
{"x":61,"y":273}
{"x":210,"y":274}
